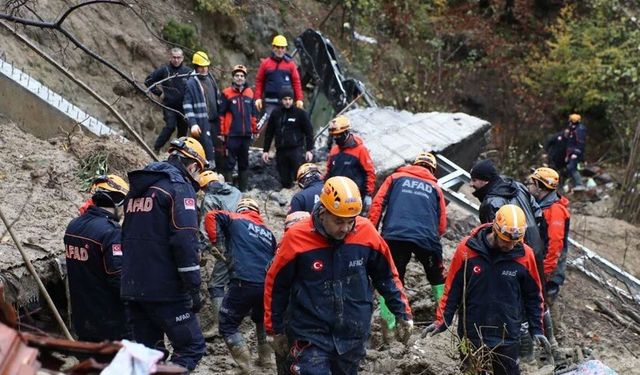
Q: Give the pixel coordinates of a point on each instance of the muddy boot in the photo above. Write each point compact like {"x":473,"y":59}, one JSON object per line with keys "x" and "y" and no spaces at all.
{"x":264,"y":355}
{"x":243,"y":180}
{"x":526,"y":344}
{"x":212,"y":331}
{"x":548,"y":330}
{"x":241,"y":355}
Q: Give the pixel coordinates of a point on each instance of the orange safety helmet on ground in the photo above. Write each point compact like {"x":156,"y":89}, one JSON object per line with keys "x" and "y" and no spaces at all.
{"x":279,"y":41}
{"x":206,"y":177}
{"x":294,"y":217}
{"x":190,"y":148}
{"x":248,"y":204}
{"x":575,"y":118}
{"x":547,"y":176}
{"x":339,"y":125}
{"x":510,"y":223}
{"x":341,"y":197}
{"x":426,"y":159}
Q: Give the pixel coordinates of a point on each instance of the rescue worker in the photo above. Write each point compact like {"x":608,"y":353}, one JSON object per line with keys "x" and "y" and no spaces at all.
{"x":309,"y":179}
{"x":92,"y":243}
{"x":277,"y":72}
{"x":494,"y":192}
{"x":293,"y":134}
{"x":323,"y":277}
{"x":201,"y":109}
{"x":350,"y":158}
{"x":250,"y":246}
{"x":543,"y":184}
{"x":218,"y":195}
{"x":576,"y":141}
{"x":411,"y":207}
{"x":161,"y":262}
{"x":238,"y":125}
{"x":172,"y":93}
{"x":489,"y":316}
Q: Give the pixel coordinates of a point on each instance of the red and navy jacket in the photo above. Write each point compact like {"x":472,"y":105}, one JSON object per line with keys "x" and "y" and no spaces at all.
{"x":273,"y":75}
{"x":94,"y":258}
{"x":322,"y":292}
{"x":249,"y":243}
{"x":415,"y":208}
{"x":160,"y":235}
{"x":555,"y":209}
{"x":238,"y":112}
{"x":493,"y":287}
{"x":576,"y":140}
{"x":354,"y":161}
{"x":307,"y":198}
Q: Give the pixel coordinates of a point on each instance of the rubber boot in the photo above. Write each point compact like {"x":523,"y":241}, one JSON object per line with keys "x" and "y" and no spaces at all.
{"x":243,"y":180}
{"x":264,"y":355}
{"x":216,"y":302}
{"x":548,"y":331}
{"x":241,"y":355}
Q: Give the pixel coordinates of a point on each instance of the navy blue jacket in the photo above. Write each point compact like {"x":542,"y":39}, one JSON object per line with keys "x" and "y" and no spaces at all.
{"x":492,"y":287}
{"x":160,"y":235}
{"x":94,"y":257}
{"x":576,"y":140}
{"x":249,"y":243}
{"x":321,"y":291}
{"x":415,"y":208}
{"x":352,"y":159}
{"x":306,"y":199}
{"x":174,"y":88}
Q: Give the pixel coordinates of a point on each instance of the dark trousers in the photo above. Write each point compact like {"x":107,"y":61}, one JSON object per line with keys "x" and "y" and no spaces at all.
{"x":242,"y":299}
{"x":172,"y":120}
{"x":149,"y":321}
{"x":309,"y":359}
{"x":237,"y":151}
{"x":288,"y":160}
{"x":504,"y":360}
{"x":219,"y":279}
{"x":431,"y":260}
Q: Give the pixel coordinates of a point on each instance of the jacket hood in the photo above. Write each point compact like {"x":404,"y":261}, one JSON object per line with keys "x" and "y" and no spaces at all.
{"x":218,"y":188}
{"x":553,"y":197}
{"x":418,"y":171}
{"x":252,"y":216}
{"x":141,"y":180}
{"x":478,"y":242}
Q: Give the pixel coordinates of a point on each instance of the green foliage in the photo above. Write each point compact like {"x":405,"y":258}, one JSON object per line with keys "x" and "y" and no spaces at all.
{"x":591,"y":65}
{"x":92,"y":166}
{"x":225,"y":7}
{"x":182,"y":34}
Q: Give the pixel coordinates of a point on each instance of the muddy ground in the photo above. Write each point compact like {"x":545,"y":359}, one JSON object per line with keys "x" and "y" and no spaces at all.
{"x":40,"y":192}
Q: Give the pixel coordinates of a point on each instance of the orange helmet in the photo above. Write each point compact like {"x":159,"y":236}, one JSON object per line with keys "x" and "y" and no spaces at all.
{"x":341,"y":196}
{"x":306,"y":170}
{"x":294,"y":217}
{"x":339,"y":125}
{"x":248,"y":204}
{"x":510,"y":223}
{"x":547,"y":176}
{"x":239,"y":68}
{"x":190,"y":148}
{"x":206,"y":177}
{"x":111,"y":185}
{"x":426,"y":159}
{"x":575,"y":118}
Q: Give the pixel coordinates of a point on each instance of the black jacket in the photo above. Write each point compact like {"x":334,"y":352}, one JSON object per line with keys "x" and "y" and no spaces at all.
{"x":173,"y":88}
{"x":290,"y":127}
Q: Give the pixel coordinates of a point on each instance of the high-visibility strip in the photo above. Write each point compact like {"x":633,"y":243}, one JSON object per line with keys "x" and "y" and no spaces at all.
{"x":188,"y":269}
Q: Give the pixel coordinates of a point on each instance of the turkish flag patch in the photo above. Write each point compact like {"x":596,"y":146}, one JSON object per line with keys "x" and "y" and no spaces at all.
{"x":116,"y":249}
{"x":189,"y":204}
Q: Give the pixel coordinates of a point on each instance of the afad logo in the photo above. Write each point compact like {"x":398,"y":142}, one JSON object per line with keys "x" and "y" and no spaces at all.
{"x":317,"y":265}
{"x":477,"y":269}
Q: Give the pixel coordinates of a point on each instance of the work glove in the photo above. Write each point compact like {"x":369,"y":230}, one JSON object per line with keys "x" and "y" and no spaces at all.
{"x":195,"y":131}
{"x":403,"y":330}
{"x":299,"y":104}
{"x":542,"y":341}
{"x":434,"y":329}
{"x":366,"y":204}
{"x":259,"y":105}
{"x":279,"y":343}
{"x":196,"y":302}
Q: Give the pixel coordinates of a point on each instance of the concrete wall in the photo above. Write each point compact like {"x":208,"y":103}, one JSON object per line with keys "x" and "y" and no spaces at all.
{"x":37,"y":109}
